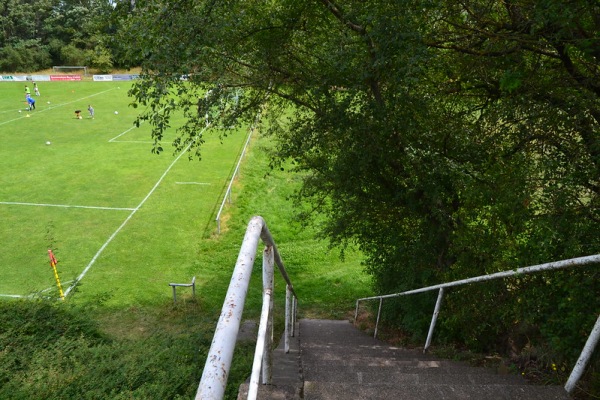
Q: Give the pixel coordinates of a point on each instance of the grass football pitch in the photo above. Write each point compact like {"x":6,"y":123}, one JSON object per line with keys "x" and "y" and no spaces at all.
{"x":118,"y":218}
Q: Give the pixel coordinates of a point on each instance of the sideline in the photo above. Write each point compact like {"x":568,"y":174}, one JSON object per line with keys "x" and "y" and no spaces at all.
{"x":30,"y":296}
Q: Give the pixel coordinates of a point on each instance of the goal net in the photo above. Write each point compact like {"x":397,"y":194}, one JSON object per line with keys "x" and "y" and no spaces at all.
{"x":69,"y":69}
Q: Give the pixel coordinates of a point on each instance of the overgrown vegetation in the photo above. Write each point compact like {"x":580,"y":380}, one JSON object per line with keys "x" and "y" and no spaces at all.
{"x":50,"y":351}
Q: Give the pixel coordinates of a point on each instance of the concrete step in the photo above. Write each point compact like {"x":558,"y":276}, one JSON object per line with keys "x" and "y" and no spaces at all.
{"x":376,"y":376}
{"x":287,"y":382}
{"x":333,"y":360}
{"x":355,"y":362}
{"x":336,"y":391}
{"x":340,"y":362}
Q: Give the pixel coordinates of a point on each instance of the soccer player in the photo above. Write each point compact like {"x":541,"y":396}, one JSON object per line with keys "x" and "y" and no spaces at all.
{"x":91,"y":111}
{"x":31,"y":102}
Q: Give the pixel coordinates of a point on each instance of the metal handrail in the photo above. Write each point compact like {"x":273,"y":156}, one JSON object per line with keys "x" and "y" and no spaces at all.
{"x":589,"y":347}
{"x":227,"y":196}
{"x":218,"y":361}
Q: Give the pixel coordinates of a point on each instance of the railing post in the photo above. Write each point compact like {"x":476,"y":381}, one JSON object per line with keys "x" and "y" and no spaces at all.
{"x":288,"y":318}
{"x":261,"y":348}
{"x":378,"y":315}
{"x":268,"y":278}
{"x":294,"y":307}
{"x":436,"y":312}
{"x":356,"y":311}
{"x":584,"y":358}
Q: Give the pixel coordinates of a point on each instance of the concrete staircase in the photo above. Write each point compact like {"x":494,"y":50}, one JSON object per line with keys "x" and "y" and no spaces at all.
{"x":334,"y":360}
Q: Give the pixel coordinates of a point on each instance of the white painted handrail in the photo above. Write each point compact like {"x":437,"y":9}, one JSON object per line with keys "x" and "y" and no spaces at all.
{"x":216,"y":371}
{"x":589,"y":347}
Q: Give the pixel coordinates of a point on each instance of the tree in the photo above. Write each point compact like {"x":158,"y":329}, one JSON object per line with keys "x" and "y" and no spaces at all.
{"x":36,"y":35}
{"x":446,"y":139}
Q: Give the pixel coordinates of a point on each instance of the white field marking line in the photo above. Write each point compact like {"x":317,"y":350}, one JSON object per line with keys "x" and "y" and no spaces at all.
{"x":114,"y":140}
{"x":55,"y":205}
{"x":12,"y":111}
{"x":64,"y":206}
{"x":56,"y":106}
{"x":131,"y":141}
{"x":20,"y":296}
{"x":192,"y":183}
{"x":110,"y":239}
{"x":14,"y":119}
{"x":121,"y":134}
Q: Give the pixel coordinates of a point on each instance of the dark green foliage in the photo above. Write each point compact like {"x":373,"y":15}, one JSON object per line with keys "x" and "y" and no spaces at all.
{"x":11,"y":59}
{"x":541,"y":322}
{"x":563,"y":310}
{"x":38,"y":35}
{"x":72,"y":55}
{"x":24,"y":56}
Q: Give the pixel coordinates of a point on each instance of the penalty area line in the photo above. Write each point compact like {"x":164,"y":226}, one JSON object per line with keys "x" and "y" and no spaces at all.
{"x":114,"y":140}
{"x":121,"y":134}
{"x":64,"y":206}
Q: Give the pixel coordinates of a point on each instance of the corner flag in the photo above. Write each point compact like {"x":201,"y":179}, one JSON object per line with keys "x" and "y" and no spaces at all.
{"x":53,"y":263}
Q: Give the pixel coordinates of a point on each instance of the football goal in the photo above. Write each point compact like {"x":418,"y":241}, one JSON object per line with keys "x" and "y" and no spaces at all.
{"x":69,"y":68}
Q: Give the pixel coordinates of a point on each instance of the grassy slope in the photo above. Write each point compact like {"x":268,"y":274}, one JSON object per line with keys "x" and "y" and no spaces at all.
{"x":327,"y":286}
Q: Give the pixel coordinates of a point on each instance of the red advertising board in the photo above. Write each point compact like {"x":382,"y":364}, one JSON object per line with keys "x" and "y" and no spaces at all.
{"x":65,"y":77}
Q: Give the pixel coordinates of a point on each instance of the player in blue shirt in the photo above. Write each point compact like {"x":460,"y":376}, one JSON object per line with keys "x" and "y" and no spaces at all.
{"x":31,"y":102}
